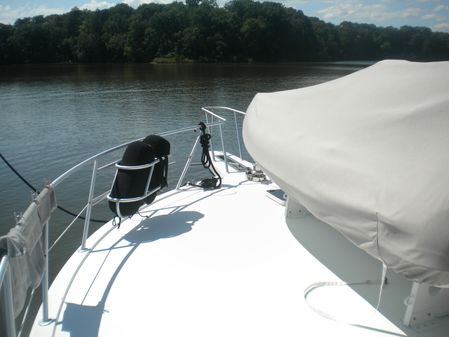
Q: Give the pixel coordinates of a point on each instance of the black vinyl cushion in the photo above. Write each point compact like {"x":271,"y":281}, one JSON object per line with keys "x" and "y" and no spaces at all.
{"x":161,"y":149}
{"x":129,"y":184}
{"x":160,"y":145}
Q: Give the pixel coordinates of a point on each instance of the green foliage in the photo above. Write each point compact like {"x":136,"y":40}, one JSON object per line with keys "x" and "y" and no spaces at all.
{"x":200,"y":30}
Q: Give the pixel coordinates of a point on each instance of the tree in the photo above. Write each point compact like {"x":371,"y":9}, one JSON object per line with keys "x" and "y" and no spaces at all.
{"x":193,"y":2}
{"x":90,"y":46}
{"x":115,"y":31}
{"x":7,"y":53}
{"x":200,"y":30}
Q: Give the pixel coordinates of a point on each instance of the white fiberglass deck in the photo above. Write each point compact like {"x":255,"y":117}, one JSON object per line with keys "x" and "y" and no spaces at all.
{"x":221,"y":263}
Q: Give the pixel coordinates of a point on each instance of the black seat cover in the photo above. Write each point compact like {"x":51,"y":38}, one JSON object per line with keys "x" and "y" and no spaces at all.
{"x":131,"y":183}
{"x":161,"y":149}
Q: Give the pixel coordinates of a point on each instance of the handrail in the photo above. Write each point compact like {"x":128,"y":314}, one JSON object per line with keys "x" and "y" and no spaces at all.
{"x":5,"y":276}
{"x":214,"y":114}
{"x":206,"y":108}
{"x":137,"y":167}
{"x":95,"y":158}
{"x":208,"y":111}
{"x":75,"y":168}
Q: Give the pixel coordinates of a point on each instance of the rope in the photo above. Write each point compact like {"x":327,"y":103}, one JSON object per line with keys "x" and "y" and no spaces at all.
{"x":116,"y":223}
{"x":382,"y":284}
{"x":327,"y":315}
{"x":36,"y":191}
{"x":18,"y":174}
{"x":206,"y":161}
{"x":383,"y":281}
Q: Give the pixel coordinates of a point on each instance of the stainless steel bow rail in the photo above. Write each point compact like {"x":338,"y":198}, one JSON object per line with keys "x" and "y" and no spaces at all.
{"x":211,"y":116}
{"x":213,"y":121}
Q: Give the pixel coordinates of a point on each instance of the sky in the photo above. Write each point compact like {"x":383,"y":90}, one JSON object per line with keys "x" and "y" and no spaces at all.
{"x":429,"y":13}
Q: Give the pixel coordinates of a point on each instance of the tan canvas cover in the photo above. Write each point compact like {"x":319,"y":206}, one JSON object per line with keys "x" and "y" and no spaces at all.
{"x":368,"y":154}
{"x":24,"y":245}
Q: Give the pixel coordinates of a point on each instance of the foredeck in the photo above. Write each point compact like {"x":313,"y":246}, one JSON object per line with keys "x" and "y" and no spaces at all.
{"x":220,"y":263}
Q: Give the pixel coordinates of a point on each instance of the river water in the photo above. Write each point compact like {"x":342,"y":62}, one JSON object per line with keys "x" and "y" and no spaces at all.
{"x":54,"y":116}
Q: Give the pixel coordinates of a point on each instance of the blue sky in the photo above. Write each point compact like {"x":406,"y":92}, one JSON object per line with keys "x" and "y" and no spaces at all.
{"x":429,"y":13}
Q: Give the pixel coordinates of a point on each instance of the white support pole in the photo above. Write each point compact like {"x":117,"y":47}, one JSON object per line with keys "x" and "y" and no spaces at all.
{"x":45,"y":283}
{"x":237,"y":135}
{"x":187,"y":165}
{"x":223,"y":148}
{"x":7,"y":299}
{"x":89,"y":205}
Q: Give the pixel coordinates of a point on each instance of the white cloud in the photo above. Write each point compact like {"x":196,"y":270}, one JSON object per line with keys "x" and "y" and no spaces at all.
{"x":295,"y":3}
{"x":9,"y":14}
{"x":430,"y":17}
{"x":441,"y":27}
{"x":409,"y":12}
{"x":94,"y":4}
{"x":286,"y":3}
{"x":134,"y":3}
{"x":357,"y":11}
{"x":440,"y":8}
{"x":137,"y":3}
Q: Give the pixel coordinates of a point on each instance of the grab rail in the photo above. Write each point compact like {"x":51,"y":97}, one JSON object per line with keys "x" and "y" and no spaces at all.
{"x":208,"y":111}
{"x":5,"y":275}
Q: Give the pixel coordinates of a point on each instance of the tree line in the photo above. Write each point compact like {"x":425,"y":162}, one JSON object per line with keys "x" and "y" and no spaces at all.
{"x":200,"y":30}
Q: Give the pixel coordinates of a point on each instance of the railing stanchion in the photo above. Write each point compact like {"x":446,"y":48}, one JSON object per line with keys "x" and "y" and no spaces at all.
{"x":187,"y":165}
{"x":206,"y":117}
{"x":44,"y":283}
{"x":224,"y":150}
{"x":89,"y":205}
{"x":8,"y":300}
{"x":209,"y":111}
{"x":211,"y":142}
{"x":237,"y":134}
